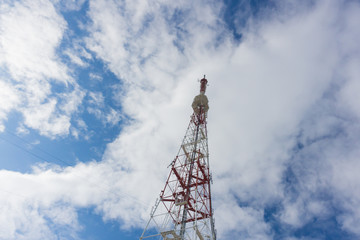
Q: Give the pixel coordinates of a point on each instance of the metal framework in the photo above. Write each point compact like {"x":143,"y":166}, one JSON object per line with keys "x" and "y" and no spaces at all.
{"x":184,"y":209}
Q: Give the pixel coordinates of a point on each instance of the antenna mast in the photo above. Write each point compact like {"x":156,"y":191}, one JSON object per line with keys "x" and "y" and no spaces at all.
{"x":184,"y":210}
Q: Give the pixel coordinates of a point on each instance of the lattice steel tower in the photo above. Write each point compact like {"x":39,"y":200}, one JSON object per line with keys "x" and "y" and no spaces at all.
{"x":184,"y":211}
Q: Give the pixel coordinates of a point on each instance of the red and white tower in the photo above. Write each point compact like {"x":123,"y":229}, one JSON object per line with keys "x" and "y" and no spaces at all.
{"x":184,"y":211}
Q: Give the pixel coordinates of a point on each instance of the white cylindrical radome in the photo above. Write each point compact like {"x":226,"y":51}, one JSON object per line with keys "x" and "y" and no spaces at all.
{"x":200,"y":101}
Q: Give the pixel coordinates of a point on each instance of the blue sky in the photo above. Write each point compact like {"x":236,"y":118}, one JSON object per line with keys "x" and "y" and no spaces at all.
{"x":95,"y":97}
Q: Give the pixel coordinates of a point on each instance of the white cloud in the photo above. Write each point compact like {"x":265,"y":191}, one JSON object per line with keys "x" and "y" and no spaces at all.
{"x":27,"y":216}
{"x":96,"y":98}
{"x":44,"y":118}
{"x":22,"y":130}
{"x":95,"y":77}
{"x":75,"y":58}
{"x":108,"y":115}
{"x":77,"y":53}
{"x":9,"y":100}
{"x":264,"y":93}
{"x":292,"y":79}
{"x":24,"y":52}
{"x":30,"y":34}
{"x":243,"y":222}
{"x":72,"y":100}
{"x":260,"y":92}
{"x":113,"y":117}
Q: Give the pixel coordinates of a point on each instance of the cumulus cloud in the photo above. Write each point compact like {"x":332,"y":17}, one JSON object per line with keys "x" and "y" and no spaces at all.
{"x":283,"y":117}
{"x":30,"y":34}
{"x":266,"y":86}
{"x":24,"y":52}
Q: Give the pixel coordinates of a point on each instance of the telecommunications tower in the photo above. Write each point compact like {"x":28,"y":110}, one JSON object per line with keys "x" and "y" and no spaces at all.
{"x":184,"y":211}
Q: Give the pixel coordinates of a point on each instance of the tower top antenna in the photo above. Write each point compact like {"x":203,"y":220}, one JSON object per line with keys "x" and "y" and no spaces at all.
{"x":203,"y":84}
